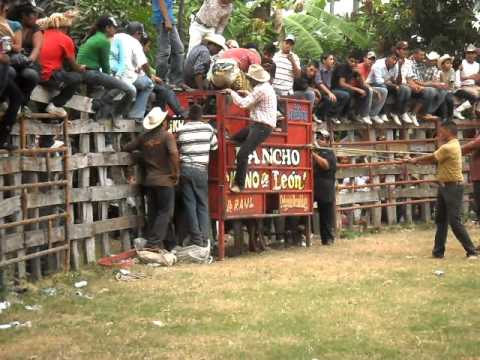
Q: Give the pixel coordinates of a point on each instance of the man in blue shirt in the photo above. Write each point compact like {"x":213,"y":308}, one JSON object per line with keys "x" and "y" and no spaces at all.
{"x":170,"y":49}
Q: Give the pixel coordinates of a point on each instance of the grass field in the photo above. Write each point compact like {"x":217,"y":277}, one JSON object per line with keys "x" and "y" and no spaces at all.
{"x":373,"y":297}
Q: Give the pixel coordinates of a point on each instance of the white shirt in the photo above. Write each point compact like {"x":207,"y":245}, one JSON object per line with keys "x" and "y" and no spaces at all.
{"x":134,"y":57}
{"x":468,"y":70}
{"x":407,"y":70}
{"x":380,"y":74}
{"x":283,"y":81}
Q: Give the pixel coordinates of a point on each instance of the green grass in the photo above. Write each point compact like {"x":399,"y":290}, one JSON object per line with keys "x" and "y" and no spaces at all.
{"x":373,"y":297}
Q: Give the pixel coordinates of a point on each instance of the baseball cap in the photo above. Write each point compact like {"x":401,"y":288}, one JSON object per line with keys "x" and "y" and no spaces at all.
{"x":371,"y":54}
{"x":290,"y":37}
{"x":135,"y":27}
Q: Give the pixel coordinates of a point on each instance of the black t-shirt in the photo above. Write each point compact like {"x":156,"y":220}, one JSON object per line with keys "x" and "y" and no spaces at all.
{"x":27,"y":42}
{"x":342,"y":71}
{"x":303,"y":82}
{"x":324,"y":180}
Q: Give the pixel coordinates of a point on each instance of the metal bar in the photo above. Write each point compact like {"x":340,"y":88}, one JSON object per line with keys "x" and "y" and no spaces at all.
{"x":33,"y":221}
{"x":404,"y":182}
{"x":376,"y":164}
{"x":383,"y":142}
{"x":45,"y":116}
{"x":409,"y":202}
{"x":33,"y":256}
{"x":34,"y":185}
{"x":48,"y":166}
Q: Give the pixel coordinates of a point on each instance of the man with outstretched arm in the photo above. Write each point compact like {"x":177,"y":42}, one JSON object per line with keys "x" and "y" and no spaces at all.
{"x":450,"y":190}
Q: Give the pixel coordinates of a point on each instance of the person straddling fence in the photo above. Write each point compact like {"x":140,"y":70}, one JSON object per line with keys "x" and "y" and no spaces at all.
{"x":195,"y":140}
{"x":159,"y":156}
{"x":262,"y":103}
{"x":450,"y":191}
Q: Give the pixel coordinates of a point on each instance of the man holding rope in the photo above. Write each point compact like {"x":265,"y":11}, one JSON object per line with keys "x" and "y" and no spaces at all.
{"x":450,"y":191}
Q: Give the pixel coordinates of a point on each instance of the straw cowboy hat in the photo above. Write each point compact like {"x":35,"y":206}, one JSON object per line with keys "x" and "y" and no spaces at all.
{"x":444,"y":58}
{"x":471,"y":48}
{"x":155,"y":118}
{"x":216,"y":39}
{"x":58,"y":20}
{"x":257,"y":73}
{"x":433,"y":55}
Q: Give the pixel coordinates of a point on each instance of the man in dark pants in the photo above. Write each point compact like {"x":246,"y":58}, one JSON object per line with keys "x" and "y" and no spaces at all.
{"x":325,"y":167}
{"x":450,"y":191}
{"x":473,"y":147}
{"x":262,"y":103}
{"x":159,"y":154}
{"x":196,"y":139}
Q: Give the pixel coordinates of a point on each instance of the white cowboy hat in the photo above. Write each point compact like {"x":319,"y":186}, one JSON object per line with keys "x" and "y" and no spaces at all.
{"x":216,"y":39}
{"x":471,"y":48}
{"x":257,"y":73}
{"x":433,"y":55}
{"x":154,"y":118}
{"x":444,"y":58}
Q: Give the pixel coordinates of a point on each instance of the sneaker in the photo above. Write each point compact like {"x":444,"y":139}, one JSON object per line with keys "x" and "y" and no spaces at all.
{"x":317,"y":120}
{"x":335,"y":121}
{"x":367,"y":120}
{"x":464,"y":106}
{"x":377,"y":120}
{"x":57,"y":111}
{"x":235,"y":189}
{"x":396,"y":119}
{"x":56,"y":144}
{"x":384,"y":118}
{"x":458,"y":115}
{"x":414,"y":120}
{"x":358,"y":118}
{"x":406,"y":119}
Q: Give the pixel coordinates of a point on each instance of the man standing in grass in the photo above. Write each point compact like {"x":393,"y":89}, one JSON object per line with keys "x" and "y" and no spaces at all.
{"x":195,"y":140}
{"x":450,"y":191}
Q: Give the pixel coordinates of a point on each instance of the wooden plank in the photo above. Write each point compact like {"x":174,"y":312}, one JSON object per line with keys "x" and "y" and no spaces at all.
{"x":80,"y":195}
{"x":9,"y":165}
{"x":357,"y":198}
{"x":3,"y":246}
{"x":80,"y":103}
{"x":10,"y":206}
{"x":391,"y":210}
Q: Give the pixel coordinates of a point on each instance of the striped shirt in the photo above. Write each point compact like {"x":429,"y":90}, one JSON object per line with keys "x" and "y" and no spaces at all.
{"x":262,"y":103}
{"x":283,"y":81}
{"x":195,"y":140}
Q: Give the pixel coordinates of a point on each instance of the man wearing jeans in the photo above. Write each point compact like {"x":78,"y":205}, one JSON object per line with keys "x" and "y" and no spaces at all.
{"x":159,"y":154}
{"x":450,"y":191}
{"x":262,"y":103}
{"x":195,"y":140}
{"x":170,"y":49}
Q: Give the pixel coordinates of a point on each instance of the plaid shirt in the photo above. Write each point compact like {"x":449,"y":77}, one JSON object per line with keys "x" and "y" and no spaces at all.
{"x":262,"y":103}
{"x":422,"y":72}
{"x":213,"y":14}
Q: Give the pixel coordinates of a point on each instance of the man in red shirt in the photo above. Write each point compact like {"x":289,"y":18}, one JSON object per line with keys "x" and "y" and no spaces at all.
{"x":366,"y":66}
{"x":58,"y":48}
{"x":473,"y":147}
{"x":244,"y":57}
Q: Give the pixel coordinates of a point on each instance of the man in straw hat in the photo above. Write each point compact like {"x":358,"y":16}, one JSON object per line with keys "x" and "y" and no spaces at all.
{"x":58,"y":48}
{"x":199,"y":58}
{"x":158,"y":152}
{"x":262,"y":103}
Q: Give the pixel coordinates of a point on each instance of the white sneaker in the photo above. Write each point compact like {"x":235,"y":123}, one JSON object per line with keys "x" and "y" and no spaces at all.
{"x":317,"y":120}
{"x":377,"y":120}
{"x":57,"y":111}
{"x":367,"y":120}
{"x":414,"y":119}
{"x":384,"y":118}
{"x":56,"y":144}
{"x":406,"y":119}
{"x":464,"y":106}
{"x":458,"y":115}
{"x":335,"y":121}
{"x":396,"y":119}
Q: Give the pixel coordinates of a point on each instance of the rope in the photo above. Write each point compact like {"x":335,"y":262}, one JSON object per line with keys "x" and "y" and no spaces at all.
{"x":363,"y":151}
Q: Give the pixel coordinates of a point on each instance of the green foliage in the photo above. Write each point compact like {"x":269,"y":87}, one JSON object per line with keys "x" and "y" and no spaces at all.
{"x":317,"y":32}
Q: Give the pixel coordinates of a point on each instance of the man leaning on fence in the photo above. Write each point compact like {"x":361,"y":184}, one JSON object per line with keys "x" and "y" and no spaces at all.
{"x":450,"y":191}
{"x":159,"y":156}
{"x":195,"y":140}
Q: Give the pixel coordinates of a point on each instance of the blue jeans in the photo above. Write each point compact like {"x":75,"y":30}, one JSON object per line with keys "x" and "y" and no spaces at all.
{"x":362,"y":103}
{"x":308,"y":95}
{"x":113,"y":87}
{"x":194,"y":185}
{"x":339,"y":108}
{"x":165,"y":96}
{"x":170,"y":55}
{"x":143,"y":88}
{"x":403,"y":95}
{"x":161,"y":206}
{"x":431,"y":99}
{"x":379,"y":96}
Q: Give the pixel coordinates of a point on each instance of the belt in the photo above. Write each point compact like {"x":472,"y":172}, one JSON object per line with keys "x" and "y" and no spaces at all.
{"x":449,"y":183}
{"x":196,"y":166}
{"x":197,"y":20}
